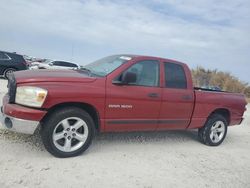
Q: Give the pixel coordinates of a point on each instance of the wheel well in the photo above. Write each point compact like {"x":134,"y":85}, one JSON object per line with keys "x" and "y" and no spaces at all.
{"x":4,"y":71}
{"x":224,"y":112}
{"x":9,"y":68}
{"x":87,"y":107}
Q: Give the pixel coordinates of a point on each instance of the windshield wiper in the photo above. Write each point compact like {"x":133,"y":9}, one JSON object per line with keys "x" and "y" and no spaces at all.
{"x":85,"y":70}
{"x":89,"y":71}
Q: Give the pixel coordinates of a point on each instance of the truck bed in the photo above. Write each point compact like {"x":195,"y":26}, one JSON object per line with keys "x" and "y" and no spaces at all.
{"x":208,"y":100}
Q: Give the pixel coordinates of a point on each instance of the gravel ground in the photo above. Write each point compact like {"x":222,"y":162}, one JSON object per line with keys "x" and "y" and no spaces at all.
{"x":155,"y":159}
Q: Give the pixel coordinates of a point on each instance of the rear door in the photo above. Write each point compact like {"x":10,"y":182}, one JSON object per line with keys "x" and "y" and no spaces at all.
{"x":135,"y":106}
{"x":177,"y":97}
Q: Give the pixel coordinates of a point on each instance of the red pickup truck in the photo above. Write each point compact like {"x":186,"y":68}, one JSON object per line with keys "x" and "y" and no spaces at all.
{"x":116,"y":93}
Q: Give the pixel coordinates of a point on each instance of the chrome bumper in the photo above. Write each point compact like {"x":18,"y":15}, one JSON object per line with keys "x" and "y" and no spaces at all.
{"x":18,"y":125}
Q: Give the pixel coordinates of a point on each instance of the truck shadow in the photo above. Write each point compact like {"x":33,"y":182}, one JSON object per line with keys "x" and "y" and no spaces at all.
{"x":170,"y":137}
{"x":107,"y":142}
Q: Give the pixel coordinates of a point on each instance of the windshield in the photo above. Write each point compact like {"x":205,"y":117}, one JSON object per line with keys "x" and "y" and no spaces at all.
{"x":106,"y":65}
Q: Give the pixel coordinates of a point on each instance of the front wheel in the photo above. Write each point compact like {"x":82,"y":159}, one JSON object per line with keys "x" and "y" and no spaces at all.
{"x":214,"y":131}
{"x":67,"y":132}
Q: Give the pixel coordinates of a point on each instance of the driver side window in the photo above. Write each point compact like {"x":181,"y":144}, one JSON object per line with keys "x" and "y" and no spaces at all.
{"x":147,"y":73}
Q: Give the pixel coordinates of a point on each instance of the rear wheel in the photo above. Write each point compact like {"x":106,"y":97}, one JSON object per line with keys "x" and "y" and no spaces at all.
{"x":8,"y":72}
{"x":67,"y":132}
{"x":214,"y":131}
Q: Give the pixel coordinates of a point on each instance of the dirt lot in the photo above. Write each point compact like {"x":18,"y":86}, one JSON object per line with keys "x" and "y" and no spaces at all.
{"x":163,"y":159}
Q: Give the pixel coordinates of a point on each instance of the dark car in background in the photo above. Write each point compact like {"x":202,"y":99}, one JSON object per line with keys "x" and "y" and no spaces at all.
{"x":10,"y":62}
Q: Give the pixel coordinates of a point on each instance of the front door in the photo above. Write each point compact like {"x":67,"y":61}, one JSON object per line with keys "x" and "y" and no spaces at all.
{"x":134,"y":106}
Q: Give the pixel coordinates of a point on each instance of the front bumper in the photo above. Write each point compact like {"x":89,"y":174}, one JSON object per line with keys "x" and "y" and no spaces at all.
{"x":18,"y":125}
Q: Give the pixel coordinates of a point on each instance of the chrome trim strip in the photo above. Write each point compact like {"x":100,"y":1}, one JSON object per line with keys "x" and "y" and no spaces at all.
{"x":147,"y":121}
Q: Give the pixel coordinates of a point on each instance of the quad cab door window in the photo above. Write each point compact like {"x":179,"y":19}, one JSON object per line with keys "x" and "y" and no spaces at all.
{"x":145,"y":73}
{"x":134,"y":97}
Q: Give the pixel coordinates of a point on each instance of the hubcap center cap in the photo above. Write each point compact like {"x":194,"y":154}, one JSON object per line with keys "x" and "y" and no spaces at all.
{"x":69,"y":133}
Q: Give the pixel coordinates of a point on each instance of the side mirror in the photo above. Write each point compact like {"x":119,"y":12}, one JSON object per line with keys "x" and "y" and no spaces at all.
{"x":51,"y":64}
{"x":127,"y":78}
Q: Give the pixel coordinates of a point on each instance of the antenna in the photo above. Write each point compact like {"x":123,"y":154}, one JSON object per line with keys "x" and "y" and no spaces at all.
{"x":72,"y":51}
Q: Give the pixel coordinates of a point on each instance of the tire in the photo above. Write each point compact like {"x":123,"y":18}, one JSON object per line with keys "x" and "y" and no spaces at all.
{"x":67,"y":132}
{"x":8,"y":71}
{"x":214,"y":131}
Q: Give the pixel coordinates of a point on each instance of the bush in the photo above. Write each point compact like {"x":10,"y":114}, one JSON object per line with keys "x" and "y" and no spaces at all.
{"x":224,"y":80}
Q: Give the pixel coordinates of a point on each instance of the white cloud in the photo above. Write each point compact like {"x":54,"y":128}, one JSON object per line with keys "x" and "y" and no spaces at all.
{"x":211,"y":33}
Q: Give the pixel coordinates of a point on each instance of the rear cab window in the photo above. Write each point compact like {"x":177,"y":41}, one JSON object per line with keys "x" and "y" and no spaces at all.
{"x":175,"y":76}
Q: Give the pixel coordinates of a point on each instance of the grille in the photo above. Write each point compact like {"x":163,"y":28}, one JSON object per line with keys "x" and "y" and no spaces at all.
{"x":11,"y":88}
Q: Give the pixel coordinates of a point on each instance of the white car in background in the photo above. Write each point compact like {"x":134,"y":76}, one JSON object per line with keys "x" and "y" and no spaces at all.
{"x":50,"y":64}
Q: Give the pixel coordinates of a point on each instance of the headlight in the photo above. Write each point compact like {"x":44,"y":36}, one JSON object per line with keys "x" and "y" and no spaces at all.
{"x":30,"y":96}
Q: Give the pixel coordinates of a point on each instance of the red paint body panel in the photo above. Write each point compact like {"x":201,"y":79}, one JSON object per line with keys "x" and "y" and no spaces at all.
{"x":132,"y":108}
{"x":138,"y":101}
{"x":207,"y":102}
{"x":74,"y":92}
{"x":173,"y":107}
{"x":143,"y":107}
{"x":22,"y":112}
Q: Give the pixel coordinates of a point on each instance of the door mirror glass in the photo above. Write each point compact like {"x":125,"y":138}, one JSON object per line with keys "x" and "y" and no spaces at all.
{"x":129,"y":77}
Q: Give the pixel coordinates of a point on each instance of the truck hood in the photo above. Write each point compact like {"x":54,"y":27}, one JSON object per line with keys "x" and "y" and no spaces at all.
{"x":53,"y":76}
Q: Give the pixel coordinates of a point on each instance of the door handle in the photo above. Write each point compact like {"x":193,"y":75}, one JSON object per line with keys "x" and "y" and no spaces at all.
{"x":186,"y":97}
{"x":153,"y":95}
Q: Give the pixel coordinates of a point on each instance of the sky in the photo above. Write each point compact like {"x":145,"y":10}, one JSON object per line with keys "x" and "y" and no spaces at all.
{"x":209,"y":33}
